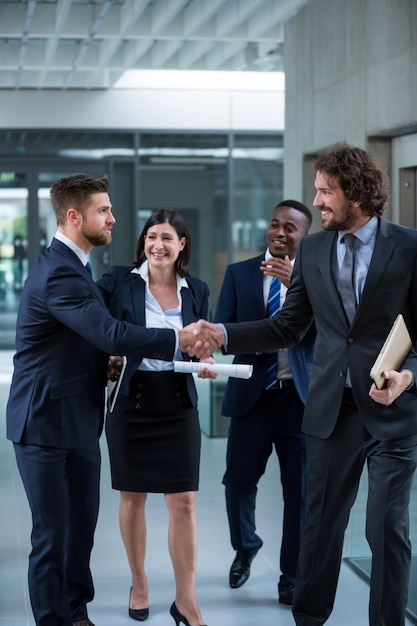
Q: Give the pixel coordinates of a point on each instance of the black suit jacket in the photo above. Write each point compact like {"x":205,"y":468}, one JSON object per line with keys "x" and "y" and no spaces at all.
{"x":124,"y":294}
{"x":64,"y":336}
{"x":390,"y":289}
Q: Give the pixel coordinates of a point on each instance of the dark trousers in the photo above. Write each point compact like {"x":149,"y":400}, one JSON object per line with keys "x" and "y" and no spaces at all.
{"x":275,"y":420}
{"x":62,"y":487}
{"x":335,"y":467}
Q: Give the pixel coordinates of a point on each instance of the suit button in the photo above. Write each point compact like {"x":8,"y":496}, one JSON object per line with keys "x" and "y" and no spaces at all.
{"x":138,"y":396}
{"x":137,"y":406}
{"x":342,"y":373}
{"x":351,"y":340}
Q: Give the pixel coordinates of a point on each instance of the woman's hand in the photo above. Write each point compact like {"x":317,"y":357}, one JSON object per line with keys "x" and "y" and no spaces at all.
{"x":206,"y":372}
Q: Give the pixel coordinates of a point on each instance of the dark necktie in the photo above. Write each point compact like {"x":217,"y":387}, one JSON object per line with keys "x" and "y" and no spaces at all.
{"x":346,"y":277}
{"x":88,"y":268}
{"x":272,"y":308}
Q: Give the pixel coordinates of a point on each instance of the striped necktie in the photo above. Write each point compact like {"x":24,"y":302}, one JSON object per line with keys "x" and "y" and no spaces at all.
{"x":272,"y":308}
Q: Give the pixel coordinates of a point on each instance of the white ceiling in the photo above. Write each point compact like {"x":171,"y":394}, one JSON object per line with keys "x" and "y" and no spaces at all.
{"x":88,"y":44}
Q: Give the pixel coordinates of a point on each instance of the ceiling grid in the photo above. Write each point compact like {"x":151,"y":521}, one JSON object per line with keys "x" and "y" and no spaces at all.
{"x":89,"y":44}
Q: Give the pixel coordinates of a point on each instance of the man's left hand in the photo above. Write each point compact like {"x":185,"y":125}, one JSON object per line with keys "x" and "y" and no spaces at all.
{"x":396,"y":383}
{"x":278,"y":268}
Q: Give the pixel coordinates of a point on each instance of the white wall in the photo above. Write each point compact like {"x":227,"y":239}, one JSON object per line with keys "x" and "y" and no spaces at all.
{"x":159,"y":109}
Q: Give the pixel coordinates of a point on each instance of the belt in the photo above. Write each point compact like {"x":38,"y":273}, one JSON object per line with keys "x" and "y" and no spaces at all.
{"x":282,"y":383}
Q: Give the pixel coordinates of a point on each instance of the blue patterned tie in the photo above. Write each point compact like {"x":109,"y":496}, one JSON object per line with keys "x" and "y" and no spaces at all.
{"x":272,"y":308}
{"x":88,"y":268}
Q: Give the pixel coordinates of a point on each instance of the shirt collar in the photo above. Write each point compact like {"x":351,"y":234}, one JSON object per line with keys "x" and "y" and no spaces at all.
{"x":143,"y":272}
{"x":364,"y":233}
{"x":268,"y":254}
{"x":73,"y":246}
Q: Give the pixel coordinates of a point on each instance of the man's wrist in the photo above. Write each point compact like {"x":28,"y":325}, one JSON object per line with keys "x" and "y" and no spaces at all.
{"x":412,"y":385}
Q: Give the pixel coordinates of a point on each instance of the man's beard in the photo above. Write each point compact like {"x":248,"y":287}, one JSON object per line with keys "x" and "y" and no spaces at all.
{"x":345,"y":221}
{"x":96,"y":239}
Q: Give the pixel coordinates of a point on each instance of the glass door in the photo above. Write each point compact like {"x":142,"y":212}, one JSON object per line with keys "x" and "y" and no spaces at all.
{"x":27,"y":225}
{"x":13,"y":250}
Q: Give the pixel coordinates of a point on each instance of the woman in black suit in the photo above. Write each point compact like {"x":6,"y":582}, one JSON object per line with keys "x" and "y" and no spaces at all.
{"x":153,"y":433}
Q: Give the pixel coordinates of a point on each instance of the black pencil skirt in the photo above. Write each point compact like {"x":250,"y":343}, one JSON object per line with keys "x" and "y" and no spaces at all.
{"x":154,"y":436}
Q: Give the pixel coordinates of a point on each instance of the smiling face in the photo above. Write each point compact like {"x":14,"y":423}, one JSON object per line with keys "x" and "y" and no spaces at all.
{"x":162,"y":245}
{"x":286,"y":228}
{"x":337,"y":212}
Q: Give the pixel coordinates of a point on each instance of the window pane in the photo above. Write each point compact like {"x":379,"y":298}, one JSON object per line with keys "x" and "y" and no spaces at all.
{"x":13,"y":251}
{"x":257,"y":189}
{"x":188,"y":173}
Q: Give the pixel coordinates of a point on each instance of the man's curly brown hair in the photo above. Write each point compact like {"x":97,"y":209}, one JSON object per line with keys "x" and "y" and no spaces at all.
{"x":358,"y":175}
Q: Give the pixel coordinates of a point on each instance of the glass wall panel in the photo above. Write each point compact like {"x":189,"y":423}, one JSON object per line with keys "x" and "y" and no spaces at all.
{"x":356,"y":550}
{"x":257,"y":188}
{"x":224,"y":185}
{"x":188,"y":173}
{"x":65,"y":144}
{"x":13,"y":250}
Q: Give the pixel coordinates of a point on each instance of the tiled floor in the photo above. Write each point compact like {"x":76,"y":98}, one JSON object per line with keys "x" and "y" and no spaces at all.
{"x":255,"y":603}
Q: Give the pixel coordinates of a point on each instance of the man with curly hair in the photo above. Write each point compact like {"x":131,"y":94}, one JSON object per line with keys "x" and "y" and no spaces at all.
{"x":353,"y":278}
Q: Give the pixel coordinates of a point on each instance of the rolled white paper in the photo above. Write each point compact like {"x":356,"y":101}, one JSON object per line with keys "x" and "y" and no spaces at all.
{"x":235,"y":370}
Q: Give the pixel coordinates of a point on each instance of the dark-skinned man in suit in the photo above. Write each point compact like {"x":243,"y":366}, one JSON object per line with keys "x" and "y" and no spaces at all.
{"x":266,"y":411}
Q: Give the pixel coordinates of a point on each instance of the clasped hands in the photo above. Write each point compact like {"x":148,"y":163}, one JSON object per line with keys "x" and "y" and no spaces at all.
{"x":200,"y":339}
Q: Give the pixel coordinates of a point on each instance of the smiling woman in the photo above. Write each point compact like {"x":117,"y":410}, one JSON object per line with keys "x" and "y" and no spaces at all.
{"x":154,"y":438}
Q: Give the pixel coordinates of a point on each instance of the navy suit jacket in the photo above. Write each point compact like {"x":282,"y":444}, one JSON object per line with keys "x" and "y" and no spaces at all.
{"x":64,"y":335}
{"x":390,"y":289}
{"x":241,"y":299}
{"x":124,"y":294}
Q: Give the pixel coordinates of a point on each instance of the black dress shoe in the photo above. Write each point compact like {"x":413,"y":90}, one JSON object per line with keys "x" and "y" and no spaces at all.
{"x":240,"y":569}
{"x":286,"y":596}
{"x":139,"y":614}
{"x":83,"y":622}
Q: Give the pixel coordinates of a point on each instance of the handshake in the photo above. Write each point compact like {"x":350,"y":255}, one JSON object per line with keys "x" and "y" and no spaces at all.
{"x":200,"y":339}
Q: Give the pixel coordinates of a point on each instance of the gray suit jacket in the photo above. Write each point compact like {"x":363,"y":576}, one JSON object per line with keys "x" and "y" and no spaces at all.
{"x":390,"y":289}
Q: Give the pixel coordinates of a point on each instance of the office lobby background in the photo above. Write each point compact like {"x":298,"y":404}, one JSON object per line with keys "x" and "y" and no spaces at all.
{"x":223,"y":158}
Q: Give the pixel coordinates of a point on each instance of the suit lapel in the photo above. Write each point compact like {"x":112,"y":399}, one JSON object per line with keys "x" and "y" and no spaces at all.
{"x":63,"y":249}
{"x":137,"y":295}
{"x":188,"y":314}
{"x":384,"y":248}
{"x":256,"y":279}
{"x":327,"y":258}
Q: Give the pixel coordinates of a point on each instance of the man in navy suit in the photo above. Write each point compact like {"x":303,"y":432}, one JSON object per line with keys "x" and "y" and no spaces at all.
{"x":348,"y":422}
{"x":266,"y":414}
{"x":64,"y":337}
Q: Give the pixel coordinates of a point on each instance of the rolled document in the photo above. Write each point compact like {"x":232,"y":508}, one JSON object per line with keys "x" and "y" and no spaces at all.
{"x":236,"y":370}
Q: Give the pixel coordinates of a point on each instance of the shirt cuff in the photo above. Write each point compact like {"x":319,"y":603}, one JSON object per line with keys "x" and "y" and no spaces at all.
{"x":226,"y":338}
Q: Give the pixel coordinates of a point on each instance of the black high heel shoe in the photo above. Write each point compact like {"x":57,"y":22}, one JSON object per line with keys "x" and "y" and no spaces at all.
{"x":139,"y":614}
{"x":179,"y":617}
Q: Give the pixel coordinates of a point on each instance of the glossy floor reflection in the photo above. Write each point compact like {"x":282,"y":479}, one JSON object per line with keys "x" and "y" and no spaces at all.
{"x":254,"y":603}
